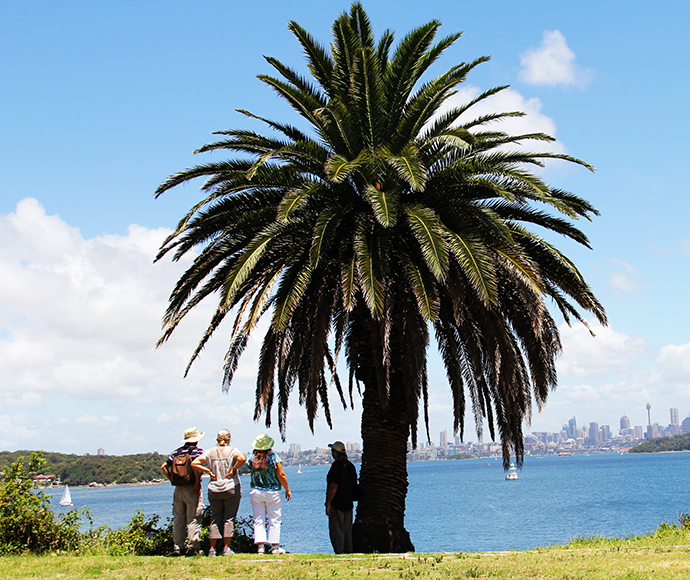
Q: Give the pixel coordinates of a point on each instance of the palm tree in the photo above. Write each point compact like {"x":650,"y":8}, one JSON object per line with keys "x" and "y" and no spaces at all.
{"x":387,"y":219}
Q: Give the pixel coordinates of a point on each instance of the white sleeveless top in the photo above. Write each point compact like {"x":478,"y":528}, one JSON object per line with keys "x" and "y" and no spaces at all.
{"x":220,"y":461}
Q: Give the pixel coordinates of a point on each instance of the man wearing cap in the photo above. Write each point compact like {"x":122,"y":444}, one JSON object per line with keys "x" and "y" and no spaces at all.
{"x":341,"y":483}
{"x":188,"y":505}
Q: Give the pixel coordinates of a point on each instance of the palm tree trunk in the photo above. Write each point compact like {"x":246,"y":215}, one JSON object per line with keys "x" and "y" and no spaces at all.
{"x":379,"y":524}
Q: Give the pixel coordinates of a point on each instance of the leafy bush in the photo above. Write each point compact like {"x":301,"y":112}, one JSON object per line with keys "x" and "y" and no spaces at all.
{"x":243,"y":540}
{"x":28,"y":522}
{"x":139,"y":537}
{"x":684,"y":521}
{"x":142,"y":537}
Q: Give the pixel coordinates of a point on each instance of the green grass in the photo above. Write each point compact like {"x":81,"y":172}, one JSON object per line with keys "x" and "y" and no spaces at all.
{"x":663,"y":555}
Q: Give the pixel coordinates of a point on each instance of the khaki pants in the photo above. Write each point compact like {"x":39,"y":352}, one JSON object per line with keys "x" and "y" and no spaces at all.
{"x":340,"y":530}
{"x":188,"y":507}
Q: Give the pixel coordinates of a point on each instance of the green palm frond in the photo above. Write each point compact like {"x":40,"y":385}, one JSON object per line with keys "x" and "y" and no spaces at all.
{"x":323,"y":234}
{"x":384,"y":205}
{"x":425,"y":226}
{"x":340,"y":168}
{"x":320,"y":63}
{"x":370,"y":277}
{"x":248,"y":259}
{"x":297,"y":198}
{"x":349,"y":281}
{"x":476,"y":262}
{"x":293,"y":284}
{"x":424,"y":290}
{"x":408,"y":166}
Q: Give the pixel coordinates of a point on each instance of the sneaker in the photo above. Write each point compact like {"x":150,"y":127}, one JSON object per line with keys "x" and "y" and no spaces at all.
{"x":227,"y":551}
{"x":277,"y":550}
{"x":190,"y":552}
{"x":260,"y":550}
{"x":212,"y":553}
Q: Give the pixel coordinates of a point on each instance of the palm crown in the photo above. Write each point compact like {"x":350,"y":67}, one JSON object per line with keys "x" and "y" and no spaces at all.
{"x":391,"y":216}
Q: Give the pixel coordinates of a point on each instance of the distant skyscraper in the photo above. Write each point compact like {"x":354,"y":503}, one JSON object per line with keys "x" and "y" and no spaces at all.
{"x":572,"y":425}
{"x":593,"y":433}
{"x":101,"y":451}
{"x":443,"y":439}
{"x":625,"y":422}
{"x":674,"y":416}
{"x":685,"y":425}
{"x":295,"y":448}
{"x":605,"y":433}
{"x":457,"y":439}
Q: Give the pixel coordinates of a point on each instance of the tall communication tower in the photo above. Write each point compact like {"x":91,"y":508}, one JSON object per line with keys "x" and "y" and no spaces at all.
{"x":649,"y":415}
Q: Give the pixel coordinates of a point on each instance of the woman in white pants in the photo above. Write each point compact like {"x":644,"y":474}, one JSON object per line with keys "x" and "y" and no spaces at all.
{"x":267,"y":478}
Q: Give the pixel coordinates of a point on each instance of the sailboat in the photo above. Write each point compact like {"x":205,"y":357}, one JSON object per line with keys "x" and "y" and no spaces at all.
{"x":299,"y":468}
{"x":66,"y":499}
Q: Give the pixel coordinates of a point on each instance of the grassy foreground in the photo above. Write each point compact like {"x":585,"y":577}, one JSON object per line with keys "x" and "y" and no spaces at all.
{"x":664,"y":554}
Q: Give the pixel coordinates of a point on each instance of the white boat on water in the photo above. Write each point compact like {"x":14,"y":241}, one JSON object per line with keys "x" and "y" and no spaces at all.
{"x":66,"y":499}
{"x":299,"y":469}
{"x":512,"y":474}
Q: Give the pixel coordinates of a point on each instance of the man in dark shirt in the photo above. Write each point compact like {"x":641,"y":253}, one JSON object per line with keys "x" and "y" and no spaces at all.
{"x":188,"y":504}
{"x":341,"y":482}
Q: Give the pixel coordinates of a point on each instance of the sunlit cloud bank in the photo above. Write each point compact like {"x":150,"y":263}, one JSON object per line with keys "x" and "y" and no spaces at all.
{"x":79,"y":319}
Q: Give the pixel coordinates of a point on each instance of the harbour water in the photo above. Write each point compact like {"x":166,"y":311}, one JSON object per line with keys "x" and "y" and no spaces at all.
{"x":467,"y":505}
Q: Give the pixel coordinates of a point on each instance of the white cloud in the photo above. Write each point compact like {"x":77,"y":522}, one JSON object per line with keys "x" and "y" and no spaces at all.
{"x":79,"y":319}
{"x":82,"y":316}
{"x":607,"y":351}
{"x":552,"y":63}
{"x":622,"y":375}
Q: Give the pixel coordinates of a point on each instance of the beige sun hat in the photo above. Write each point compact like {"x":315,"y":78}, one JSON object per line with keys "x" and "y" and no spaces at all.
{"x":338,"y":446}
{"x":263,"y":442}
{"x":192,"y":435}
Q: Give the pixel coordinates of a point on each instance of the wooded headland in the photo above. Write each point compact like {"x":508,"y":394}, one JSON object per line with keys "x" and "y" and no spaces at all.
{"x":661,"y":444}
{"x":100,"y":469}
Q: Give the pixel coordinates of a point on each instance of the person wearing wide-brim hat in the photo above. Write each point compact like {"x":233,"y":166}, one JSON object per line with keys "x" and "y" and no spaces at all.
{"x":188,"y":503}
{"x":267,"y":478}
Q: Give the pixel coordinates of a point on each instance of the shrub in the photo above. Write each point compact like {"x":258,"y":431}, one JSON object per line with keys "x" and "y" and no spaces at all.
{"x":142,"y":537}
{"x":28,"y":522}
{"x":139,"y":537}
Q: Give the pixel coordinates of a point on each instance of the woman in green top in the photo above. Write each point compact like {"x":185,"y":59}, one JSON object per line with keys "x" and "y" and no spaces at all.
{"x":267,"y":477}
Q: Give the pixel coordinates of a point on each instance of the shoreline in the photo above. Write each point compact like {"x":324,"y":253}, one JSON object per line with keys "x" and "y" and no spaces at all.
{"x":99,"y":485}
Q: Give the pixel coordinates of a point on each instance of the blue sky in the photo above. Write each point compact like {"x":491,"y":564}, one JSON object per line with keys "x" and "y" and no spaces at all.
{"x":99,"y":102}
